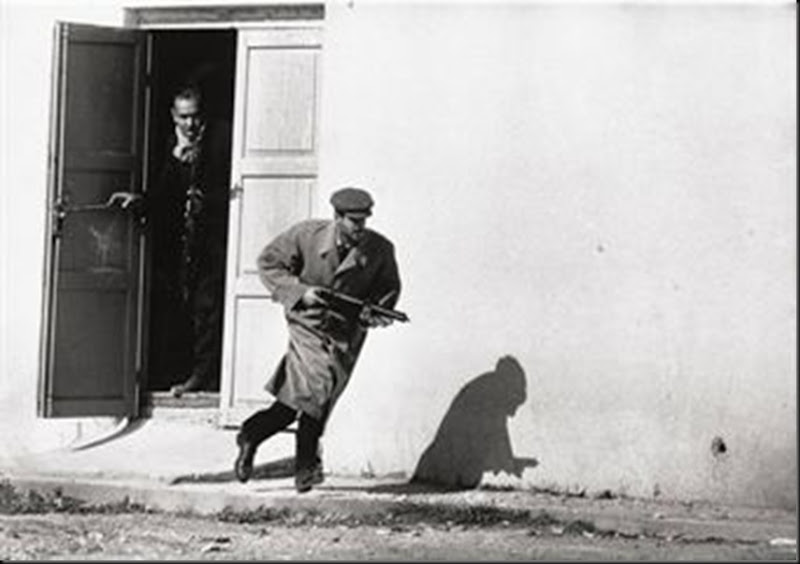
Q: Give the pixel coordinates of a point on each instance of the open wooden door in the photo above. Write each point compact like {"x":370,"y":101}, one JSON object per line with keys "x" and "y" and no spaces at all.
{"x":92,"y":330}
{"x":274,"y":174}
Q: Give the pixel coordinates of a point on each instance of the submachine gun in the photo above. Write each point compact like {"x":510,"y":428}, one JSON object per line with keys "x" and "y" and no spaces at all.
{"x":374,"y":308}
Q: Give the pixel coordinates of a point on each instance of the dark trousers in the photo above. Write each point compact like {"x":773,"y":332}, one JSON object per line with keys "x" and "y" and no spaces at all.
{"x":206,"y":314}
{"x":263,"y":424}
{"x":187,"y":336}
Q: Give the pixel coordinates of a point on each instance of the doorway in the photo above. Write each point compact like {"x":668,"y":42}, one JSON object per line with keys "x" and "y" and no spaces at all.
{"x":112,"y":91}
{"x":186,"y":306}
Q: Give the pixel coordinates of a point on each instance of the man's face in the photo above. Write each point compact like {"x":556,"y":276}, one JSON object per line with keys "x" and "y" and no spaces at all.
{"x":351,"y":226}
{"x":187,"y":117}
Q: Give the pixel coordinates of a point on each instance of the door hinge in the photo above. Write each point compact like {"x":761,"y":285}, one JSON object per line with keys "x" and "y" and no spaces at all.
{"x":59,"y":213}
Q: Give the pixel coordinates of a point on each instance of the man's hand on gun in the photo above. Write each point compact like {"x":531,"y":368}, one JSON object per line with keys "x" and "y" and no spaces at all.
{"x":314,"y":297}
{"x":370,"y":318}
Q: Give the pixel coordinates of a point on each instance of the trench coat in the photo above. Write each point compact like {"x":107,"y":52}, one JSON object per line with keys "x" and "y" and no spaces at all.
{"x":324,"y":344}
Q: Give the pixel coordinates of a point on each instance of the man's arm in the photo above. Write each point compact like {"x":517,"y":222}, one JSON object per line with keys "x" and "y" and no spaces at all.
{"x":151,"y":201}
{"x":279,"y":266}
{"x":385,"y":294}
{"x":386,"y":288}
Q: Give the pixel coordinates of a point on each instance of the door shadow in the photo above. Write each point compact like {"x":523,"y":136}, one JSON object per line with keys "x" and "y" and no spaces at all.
{"x":131,"y":427}
{"x":473,"y":437}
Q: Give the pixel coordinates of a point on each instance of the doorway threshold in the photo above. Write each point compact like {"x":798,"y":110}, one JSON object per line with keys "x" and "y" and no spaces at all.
{"x":193,"y":407}
{"x":187,"y":400}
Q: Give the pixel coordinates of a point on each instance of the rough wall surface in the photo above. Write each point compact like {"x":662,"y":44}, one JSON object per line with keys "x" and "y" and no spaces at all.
{"x":605,"y":193}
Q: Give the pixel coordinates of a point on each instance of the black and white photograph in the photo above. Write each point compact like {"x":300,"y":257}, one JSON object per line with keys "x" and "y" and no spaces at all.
{"x":398,"y":280}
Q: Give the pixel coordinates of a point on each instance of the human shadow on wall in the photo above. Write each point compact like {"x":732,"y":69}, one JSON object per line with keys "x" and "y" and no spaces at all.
{"x":473,"y":436}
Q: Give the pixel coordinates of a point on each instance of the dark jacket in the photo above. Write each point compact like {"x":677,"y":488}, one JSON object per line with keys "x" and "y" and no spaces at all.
{"x":166,"y":200}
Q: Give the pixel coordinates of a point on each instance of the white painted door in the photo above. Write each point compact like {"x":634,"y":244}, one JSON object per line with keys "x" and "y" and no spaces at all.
{"x":274,"y":176}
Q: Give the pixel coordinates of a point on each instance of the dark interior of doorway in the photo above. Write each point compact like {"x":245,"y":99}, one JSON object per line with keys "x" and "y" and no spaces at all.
{"x":206,"y":58}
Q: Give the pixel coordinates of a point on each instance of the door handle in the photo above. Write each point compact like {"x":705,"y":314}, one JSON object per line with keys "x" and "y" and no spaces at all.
{"x":124,"y":199}
{"x":62,"y":207}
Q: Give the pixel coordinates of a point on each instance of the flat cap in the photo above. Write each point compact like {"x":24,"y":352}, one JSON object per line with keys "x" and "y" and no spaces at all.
{"x":352,"y":200}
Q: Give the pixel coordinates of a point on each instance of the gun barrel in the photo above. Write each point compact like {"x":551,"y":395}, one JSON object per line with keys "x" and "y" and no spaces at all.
{"x":386,"y":312}
{"x":394,"y":314}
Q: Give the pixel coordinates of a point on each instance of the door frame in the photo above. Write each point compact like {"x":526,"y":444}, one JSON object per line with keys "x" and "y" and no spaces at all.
{"x":46,"y":338}
{"x":198,"y":18}
{"x":181,"y":17}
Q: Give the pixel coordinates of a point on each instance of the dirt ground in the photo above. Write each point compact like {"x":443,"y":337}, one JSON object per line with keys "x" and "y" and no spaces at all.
{"x":51,"y":525}
{"x":154,"y":536}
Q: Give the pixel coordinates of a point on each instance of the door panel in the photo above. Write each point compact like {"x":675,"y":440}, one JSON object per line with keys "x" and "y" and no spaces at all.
{"x":93,"y":296}
{"x":78,"y":344}
{"x":269,"y":206}
{"x":279,"y":119}
{"x":96,"y":240}
{"x":274,"y":170}
{"x":257,"y":324}
{"x":102,"y":100}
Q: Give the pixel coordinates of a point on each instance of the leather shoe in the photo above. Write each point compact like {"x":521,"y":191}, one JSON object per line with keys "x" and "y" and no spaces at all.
{"x":193,"y":384}
{"x":306,"y":478}
{"x":243,"y":467}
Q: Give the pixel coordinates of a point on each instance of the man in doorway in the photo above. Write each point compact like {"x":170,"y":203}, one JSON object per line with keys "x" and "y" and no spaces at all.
{"x":300,"y":268}
{"x":188,"y":211}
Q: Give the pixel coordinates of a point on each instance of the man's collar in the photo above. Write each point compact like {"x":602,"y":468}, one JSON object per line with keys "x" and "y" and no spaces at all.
{"x":329,"y":239}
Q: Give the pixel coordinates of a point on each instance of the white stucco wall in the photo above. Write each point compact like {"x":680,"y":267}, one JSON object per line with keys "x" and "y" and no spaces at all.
{"x":605,"y":193}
